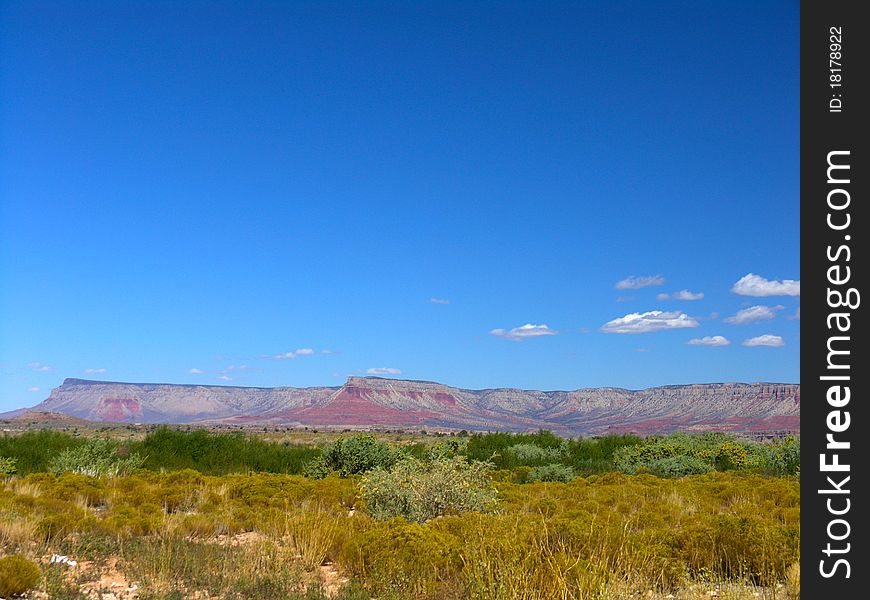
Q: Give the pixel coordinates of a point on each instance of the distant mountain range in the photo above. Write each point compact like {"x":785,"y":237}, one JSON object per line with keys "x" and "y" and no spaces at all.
{"x":751,"y":408}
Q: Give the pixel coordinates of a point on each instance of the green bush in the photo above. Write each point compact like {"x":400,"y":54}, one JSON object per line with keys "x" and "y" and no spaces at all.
{"x":422,"y":490}
{"x":97,"y":458}
{"x":552,"y":472}
{"x":7,"y":466}
{"x":529,"y":454}
{"x":221,"y":453}
{"x":17,"y":575}
{"x":358,"y":454}
{"x":33,"y":451}
{"x":678,"y":466}
{"x":681,"y":454}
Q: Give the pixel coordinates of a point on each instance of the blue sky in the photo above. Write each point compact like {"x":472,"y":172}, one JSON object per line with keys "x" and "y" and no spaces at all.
{"x":268,"y":193}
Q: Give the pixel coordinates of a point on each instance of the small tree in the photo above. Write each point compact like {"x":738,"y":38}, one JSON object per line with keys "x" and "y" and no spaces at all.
{"x":350,"y":456}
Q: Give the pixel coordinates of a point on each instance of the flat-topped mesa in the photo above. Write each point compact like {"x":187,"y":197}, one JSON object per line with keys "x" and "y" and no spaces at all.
{"x":377,"y":401}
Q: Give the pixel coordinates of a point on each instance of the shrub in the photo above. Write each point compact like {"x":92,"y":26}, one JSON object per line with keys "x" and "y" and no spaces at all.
{"x":221,"y":453}
{"x":358,"y":454}
{"x":678,"y":466}
{"x":552,"y":472}
{"x":7,"y":466}
{"x":96,"y":458}
{"x":397,"y":559}
{"x":17,"y":575}
{"x":422,"y":490}
{"x":529,"y":454}
{"x":316,"y":468}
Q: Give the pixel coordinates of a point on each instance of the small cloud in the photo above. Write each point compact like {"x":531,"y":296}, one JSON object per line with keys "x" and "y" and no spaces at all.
{"x":584,"y":330}
{"x":642,"y":350}
{"x":714,"y":314}
{"x":518,"y":334}
{"x":655,"y":320}
{"x":94,"y":371}
{"x":625,"y":298}
{"x":682,"y":295}
{"x":37,"y":366}
{"x":439,"y":301}
{"x":195,"y":371}
{"x":225,"y":378}
{"x":687,"y":295}
{"x":33,"y":389}
{"x":710,"y":340}
{"x":753,"y":314}
{"x":773,"y":341}
{"x":796,"y":316}
{"x":294,"y":353}
{"x":635,"y":283}
{"x":327,"y":351}
{"x":383,"y":371}
{"x":755,"y":285}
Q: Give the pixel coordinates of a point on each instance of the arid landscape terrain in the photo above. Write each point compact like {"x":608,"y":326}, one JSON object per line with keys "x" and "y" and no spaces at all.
{"x":755,"y":408}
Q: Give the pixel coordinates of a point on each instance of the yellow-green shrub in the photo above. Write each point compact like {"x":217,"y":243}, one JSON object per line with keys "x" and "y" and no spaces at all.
{"x":17,"y":575}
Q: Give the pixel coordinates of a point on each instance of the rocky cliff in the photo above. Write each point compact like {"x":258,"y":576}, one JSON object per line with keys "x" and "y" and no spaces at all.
{"x":371,"y":401}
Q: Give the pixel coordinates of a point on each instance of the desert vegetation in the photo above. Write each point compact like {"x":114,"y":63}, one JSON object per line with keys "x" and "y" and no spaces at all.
{"x":486,"y":516}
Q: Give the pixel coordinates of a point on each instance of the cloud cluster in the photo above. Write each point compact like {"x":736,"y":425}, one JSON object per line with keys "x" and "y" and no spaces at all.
{"x":753,"y":314}
{"x":294,"y":353}
{"x":682,"y":295}
{"x":635,"y":283}
{"x":384,"y":371}
{"x":755,"y":285}
{"x":710,"y":340}
{"x":654,"y":320}
{"x":518,"y":334}
{"x":772,"y":341}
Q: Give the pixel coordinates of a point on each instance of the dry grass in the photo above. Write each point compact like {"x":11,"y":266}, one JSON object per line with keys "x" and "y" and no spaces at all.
{"x":251,"y":536}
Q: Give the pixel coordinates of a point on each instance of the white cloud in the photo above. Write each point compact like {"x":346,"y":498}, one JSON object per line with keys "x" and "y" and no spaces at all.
{"x":195,"y":371}
{"x":439,"y":301}
{"x":755,"y":285}
{"x":327,"y":351}
{"x":37,"y":366}
{"x":294,"y":353}
{"x":225,"y":378}
{"x":774,"y":341}
{"x":654,"y":320}
{"x":796,"y":316}
{"x":94,"y":371}
{"x":384,"y":371}
{"x":635,"y":283}
{"x":663,"y":296}
{"x":753,"y":314}
{"x":518,"y":334}
{"x":33,"y":389}
{"x":710,"y":340}
{"x":687,"y":295}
